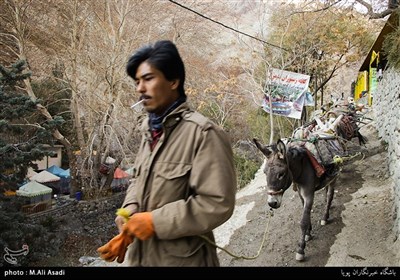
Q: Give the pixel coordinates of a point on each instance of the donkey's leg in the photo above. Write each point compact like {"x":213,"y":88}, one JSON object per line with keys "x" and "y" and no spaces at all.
{"x":305,"y":224}
{"x":330,"y":190}
{"x":307,"y":236}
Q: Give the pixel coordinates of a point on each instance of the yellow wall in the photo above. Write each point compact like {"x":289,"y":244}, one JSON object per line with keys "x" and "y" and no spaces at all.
{"x":361,"y":85}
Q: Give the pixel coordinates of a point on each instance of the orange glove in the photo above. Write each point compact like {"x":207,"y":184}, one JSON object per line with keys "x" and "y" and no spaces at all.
{"x":115,"y":248}
{"x":140,"y":225}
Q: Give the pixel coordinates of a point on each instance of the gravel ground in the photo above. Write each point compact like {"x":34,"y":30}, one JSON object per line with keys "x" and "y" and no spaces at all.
{"x":359,"y":233}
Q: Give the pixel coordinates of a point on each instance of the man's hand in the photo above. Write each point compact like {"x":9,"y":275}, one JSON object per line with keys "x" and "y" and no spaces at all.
{"x":140,"y":225}
{"x":120,"y":220}
{"x":115,"y":248}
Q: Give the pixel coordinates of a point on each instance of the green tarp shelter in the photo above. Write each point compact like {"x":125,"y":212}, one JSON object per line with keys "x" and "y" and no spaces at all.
{"x":35,"y":191}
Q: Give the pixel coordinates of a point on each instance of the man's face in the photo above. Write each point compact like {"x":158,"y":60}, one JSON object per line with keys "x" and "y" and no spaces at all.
{"x":158,"y":92}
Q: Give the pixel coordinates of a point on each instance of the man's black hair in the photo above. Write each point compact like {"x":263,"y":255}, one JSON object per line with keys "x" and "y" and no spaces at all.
{"x":164,"y":56}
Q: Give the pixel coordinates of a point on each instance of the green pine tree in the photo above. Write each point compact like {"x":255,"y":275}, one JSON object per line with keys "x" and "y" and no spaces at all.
{"x":21,"y":135}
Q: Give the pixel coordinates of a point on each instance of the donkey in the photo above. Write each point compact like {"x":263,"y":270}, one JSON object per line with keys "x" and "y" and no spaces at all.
{"x":287,"y":165}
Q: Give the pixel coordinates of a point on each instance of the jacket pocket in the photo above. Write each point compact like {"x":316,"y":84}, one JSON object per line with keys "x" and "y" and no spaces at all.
{"x":171,"y":171}
{"x":170,"y":183}
{"x":183,"y":247}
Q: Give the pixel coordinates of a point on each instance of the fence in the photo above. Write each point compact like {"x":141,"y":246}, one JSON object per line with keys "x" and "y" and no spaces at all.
{"x":36,"y":207}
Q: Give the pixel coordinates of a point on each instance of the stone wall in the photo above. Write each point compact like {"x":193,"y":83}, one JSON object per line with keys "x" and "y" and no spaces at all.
{"x":386,"y":107}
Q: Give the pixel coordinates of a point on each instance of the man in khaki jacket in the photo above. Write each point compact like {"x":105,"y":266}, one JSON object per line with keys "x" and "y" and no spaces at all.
{"x":185,"y":178}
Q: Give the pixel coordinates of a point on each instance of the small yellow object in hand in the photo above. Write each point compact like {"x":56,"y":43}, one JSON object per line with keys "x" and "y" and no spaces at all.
{"x":123,"y":213}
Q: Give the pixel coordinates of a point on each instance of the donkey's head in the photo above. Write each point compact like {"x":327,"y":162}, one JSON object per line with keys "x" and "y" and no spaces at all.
{"x":278,"y":175}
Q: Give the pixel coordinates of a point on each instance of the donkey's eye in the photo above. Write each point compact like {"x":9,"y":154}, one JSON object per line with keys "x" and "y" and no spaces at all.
{"x":280,"y":175}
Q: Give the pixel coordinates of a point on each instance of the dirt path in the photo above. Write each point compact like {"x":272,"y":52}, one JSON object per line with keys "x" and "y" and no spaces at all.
{"x":359,"y":232}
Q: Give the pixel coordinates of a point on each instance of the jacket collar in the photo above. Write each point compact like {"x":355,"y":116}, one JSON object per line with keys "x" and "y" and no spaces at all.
{"x":170,"y":120}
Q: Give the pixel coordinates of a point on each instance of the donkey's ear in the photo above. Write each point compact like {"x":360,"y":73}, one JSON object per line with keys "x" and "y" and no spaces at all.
{"x":281,"y":147}
{"x":263,"y":148}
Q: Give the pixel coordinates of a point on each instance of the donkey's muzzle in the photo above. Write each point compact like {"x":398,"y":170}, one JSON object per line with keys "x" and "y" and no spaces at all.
{"x":274,"y":201}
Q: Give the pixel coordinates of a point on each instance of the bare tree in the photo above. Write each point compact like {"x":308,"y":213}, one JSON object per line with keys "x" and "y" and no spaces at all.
{"x":17,"y":36}
{"x":100,"y":38}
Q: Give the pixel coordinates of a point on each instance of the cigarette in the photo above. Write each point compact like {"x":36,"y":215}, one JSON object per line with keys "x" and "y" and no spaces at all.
{"x":137,"y":103}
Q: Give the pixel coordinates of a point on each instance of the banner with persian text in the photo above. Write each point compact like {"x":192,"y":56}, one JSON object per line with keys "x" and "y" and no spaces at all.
{"x":287,"y":93}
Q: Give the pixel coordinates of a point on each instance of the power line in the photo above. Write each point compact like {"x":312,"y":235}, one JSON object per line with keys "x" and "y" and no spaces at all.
{"x":225,"y":26}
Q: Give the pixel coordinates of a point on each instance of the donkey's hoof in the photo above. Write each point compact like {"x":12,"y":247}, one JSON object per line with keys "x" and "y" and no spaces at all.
{"x":307,"y":238}
{"x":323,"y":222}
{"x":299,"y":257}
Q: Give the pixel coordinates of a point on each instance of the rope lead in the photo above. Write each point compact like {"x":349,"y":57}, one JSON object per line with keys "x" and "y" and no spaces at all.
{"x":243,"y":257}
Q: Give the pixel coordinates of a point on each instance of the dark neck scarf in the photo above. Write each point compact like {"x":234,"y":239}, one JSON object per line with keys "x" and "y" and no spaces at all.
{"x":155,"y":121}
